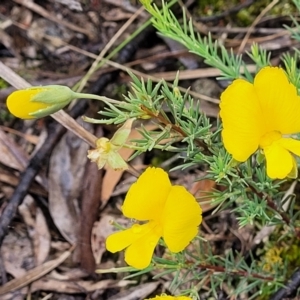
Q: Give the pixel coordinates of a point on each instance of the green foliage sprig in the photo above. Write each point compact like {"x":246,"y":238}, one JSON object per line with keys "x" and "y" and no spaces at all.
{"x":255,"y":200}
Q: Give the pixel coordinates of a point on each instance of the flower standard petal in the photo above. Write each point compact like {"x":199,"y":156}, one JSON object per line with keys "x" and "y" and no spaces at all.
{"x":146,"y":198}
{"x":122,"y":239}
{"x":140,"y":252}
{"x":181,"y":218}
{"x":279,"y":161}
{"x":243,"y":123}
{"x":278,"y":99}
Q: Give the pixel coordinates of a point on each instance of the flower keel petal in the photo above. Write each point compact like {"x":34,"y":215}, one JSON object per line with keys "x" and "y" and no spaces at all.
{"x":279,"y":161}
{"x":122,"y":239}
{"x":139,"y":253}
{"x":181,"y":219}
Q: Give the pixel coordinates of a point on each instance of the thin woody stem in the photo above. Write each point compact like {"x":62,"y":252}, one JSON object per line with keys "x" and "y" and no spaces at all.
{"x":235,"y":272}
{"x":271,"y":204}
{"x":174,"y":127}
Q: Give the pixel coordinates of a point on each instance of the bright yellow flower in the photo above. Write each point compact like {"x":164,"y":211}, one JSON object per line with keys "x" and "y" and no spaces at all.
{"x":261,"y":115}
{"x":167,"y":297}
{"x":171,"y":211}
{"x":39,"y":101}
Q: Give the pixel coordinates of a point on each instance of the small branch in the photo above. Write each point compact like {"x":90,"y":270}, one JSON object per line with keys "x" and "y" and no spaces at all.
{"x":235,"y":272}
{"x":174,"y":127}
{"x":271,"y":204}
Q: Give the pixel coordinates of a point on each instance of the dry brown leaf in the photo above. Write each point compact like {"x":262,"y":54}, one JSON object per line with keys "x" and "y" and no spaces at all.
{"x":116,"y":14}
{"x":17,"y":252}
{"x":66,"y":173}
{"x":33,"y":274}
{"x":42,"y":238}
{"x":80,"y":285}
{"x":71,"y":287}
{"x":137,"y":292}
{"x":44,"y":13}
{"x":11,"y":154}
{"x":37,"y":229}
{"x":14,"y":181}
{"x":198,"y":73}
{"x":100,"y":232}
{"x":27,"y":137}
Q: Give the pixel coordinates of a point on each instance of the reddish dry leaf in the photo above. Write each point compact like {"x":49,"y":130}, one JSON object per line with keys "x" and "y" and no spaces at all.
{"x":66,"y":173}
{"x":89,"y":214}
{"x":200,"y":189}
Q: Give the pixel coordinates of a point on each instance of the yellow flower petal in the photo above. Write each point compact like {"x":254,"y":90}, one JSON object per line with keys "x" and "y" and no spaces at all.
{"x":290,"y":144}
{"x":19,"y":103}
{"x":167,"y":297}
{"x":139,"y":253}
{"x":146,"y":198}
{"x":279,"y":161}
{"x":294,"y":172}
{"x":279,"y":101}
{"x":243,"y":124}
{"x":39,"y":101}
{"x":122,"y":239}
{"x":181,"y":218}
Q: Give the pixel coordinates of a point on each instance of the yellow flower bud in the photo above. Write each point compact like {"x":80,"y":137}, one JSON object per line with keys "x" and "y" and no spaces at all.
{"x":39,"y":101}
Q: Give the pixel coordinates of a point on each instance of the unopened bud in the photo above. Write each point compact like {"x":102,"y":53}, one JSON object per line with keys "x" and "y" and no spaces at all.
{"x":39,"y":101}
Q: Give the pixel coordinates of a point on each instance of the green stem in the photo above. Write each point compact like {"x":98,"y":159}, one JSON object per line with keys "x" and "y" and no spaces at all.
{"x":160,"y":147}
{"x":97,"y":97}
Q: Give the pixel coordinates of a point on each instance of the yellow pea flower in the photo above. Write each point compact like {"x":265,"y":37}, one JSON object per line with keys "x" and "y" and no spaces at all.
{"x":39,"y":101}
{"x":261,"y":116}
{"x":167,"y":297}
{"x":107,"y":150}
{"x":171,"y":211}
